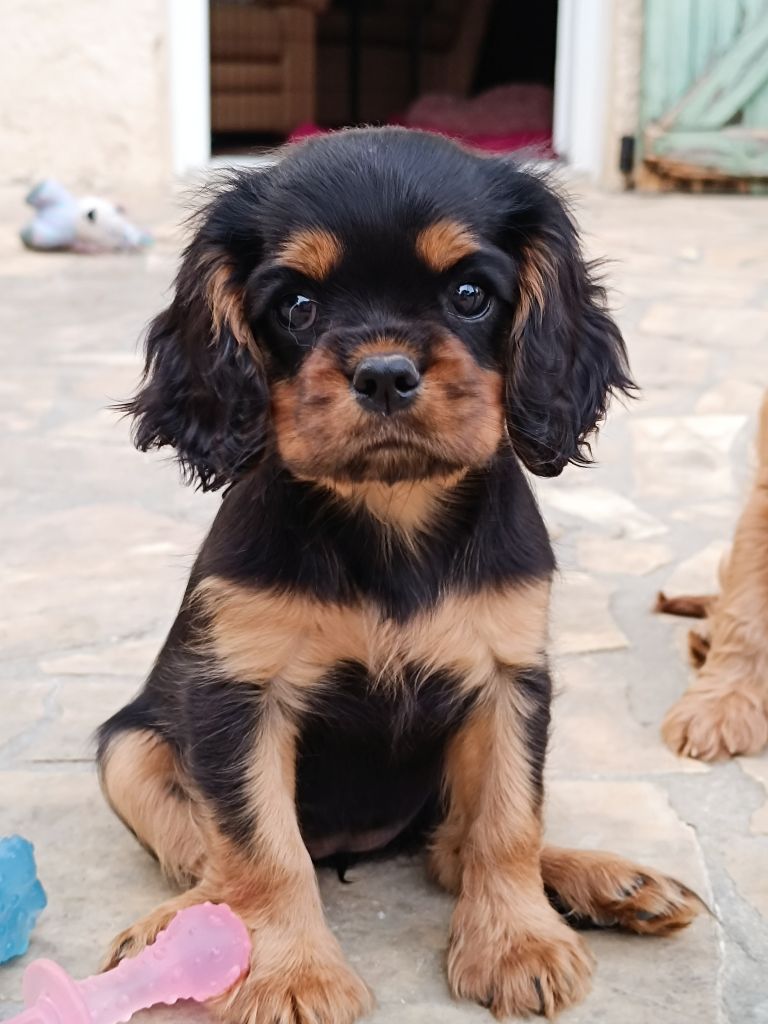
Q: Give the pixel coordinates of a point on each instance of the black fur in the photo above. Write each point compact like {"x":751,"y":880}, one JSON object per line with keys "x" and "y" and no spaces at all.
{"x":570,"y":356}
{"x":203,"y":394}
{"x":221,"y":728}
{"x":377,"y":750}
{"x":536,"y":686}
{"x":275,"y":531}
{"x":373,"y":752}
{"x":368,"y":757}
{"x":208,"y":399}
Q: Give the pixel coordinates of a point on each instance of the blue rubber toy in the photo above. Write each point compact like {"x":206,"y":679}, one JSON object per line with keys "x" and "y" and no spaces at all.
{"x":22,"y":897}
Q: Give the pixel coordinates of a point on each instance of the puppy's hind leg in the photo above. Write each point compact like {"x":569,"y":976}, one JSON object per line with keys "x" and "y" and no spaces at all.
{"x":257,"y":863}
{"x":601,"y":890}
{"x":143,"y":783}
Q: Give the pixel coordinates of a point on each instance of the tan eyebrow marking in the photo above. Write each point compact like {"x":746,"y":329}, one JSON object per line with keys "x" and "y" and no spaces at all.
{"x":312,"y":251}
{"x":444,"y":243}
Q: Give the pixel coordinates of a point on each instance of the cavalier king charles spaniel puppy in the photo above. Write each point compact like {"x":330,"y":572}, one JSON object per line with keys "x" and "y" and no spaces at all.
{"x":367,"y":343}
{"x":724,"y":712}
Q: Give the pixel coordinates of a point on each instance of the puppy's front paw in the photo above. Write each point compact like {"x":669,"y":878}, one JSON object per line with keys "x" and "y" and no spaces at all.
{"x":518,"y":972}
{"x":715,"y":724}
{"x":317,"y":991}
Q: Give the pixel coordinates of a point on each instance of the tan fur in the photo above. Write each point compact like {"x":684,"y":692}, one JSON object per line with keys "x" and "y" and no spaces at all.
{"x":509,"y":948}
{"x":138,"y":778}
{"x":444,"y":243}
{"x":411,"y":505}
{"x":292,"y":640}
{"x":536,"y":273}
{"x":464,"y":404}
{"x":385,"y":346}
{"x":725,"y":710}
{"x":313,"y":412}
{"x":314,"y":252}
{"x":298,"y":974}
{"x":458,"y":416}
{"x":612,"y":891}
{"x":689,"y":606}
{"x":226,"y":304}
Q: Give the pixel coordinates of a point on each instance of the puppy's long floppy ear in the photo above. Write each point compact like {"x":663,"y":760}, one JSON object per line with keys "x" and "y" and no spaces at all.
{"x":204,"y":391}
{"x":566,"y":355}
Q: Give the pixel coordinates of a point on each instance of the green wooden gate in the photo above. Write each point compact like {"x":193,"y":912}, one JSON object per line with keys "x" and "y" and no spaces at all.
{"x":704,"y":106}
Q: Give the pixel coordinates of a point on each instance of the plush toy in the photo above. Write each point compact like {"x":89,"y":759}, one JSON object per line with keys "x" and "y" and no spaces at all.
{"x":89,"y":224}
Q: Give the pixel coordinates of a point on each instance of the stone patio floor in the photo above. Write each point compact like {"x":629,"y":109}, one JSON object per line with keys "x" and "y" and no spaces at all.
{"x":97,"y":541}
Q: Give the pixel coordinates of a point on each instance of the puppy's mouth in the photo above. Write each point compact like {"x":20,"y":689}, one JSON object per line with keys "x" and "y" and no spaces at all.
{"x":392,"y":458}
{"x":393,"y":445}
{"x":392,"y":442}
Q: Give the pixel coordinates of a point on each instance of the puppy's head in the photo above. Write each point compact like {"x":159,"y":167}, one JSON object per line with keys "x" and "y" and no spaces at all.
{"x":380,"y":305}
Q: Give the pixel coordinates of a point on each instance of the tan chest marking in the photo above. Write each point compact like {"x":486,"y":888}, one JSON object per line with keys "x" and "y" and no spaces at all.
{"x":260,"y":635}
{"x":409,"y":506}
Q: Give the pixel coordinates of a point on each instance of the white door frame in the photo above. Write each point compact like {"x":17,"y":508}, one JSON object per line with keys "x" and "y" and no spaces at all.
{"x":582,"y":82}
{"x":189,"y":76}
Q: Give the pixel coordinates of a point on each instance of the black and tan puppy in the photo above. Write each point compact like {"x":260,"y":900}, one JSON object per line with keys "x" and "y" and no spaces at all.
{"x":365,"y":342}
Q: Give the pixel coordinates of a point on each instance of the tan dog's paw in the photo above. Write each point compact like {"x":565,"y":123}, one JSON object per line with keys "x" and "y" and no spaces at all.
{"x":591,"y":887}
{"x":319,"y":992}
{"x":711,"y":724}
{"x":520,"y":973}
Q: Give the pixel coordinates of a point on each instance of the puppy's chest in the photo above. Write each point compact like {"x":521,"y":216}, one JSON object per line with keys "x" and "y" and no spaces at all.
{"x":258,"y":636}
{"x":370,"y":756}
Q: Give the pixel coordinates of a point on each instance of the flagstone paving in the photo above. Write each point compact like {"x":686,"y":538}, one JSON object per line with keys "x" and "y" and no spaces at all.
{"x":97,"y":541}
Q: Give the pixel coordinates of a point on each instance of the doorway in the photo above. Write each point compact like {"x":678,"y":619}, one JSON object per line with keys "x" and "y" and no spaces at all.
{"x":483,"y":71}
{"x":542,"y":45}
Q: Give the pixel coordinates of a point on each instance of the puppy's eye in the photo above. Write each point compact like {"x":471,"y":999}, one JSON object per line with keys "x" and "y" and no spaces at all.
{"x":469,"y":300}
{"x":296,"y":312}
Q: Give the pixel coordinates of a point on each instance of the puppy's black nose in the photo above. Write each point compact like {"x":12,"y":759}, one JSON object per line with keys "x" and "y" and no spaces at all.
{"x":386,"y":383}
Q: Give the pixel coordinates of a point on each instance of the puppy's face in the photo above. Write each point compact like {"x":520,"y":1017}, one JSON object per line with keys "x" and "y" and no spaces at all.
{"x":384,"y":337}
{"x":380,"y":305}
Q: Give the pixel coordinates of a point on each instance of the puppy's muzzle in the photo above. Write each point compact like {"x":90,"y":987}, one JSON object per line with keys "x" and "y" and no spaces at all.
{"x":386,"y":384}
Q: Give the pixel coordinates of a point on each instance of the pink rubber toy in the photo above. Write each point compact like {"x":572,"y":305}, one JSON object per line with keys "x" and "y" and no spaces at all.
{"x":202,"y":953}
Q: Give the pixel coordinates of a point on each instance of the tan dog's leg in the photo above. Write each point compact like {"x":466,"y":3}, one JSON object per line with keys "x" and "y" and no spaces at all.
{"x":725,"y":711}
{"x":509,"y":948}
{"x":298,"y":973}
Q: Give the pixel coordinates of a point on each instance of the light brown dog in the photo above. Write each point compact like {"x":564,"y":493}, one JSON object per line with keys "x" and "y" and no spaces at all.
{"x":725,"y":710}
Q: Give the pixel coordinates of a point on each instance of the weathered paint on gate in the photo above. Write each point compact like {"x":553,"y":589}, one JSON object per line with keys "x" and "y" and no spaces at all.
{"x":705,"y":88}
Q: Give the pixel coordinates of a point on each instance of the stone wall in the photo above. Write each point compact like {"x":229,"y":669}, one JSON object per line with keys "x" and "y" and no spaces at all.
{"x":84,"y":92}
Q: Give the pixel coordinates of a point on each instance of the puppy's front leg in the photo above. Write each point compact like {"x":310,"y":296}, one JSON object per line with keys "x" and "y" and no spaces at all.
{"x":509,"y":950}
{"x":256,"y":861}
